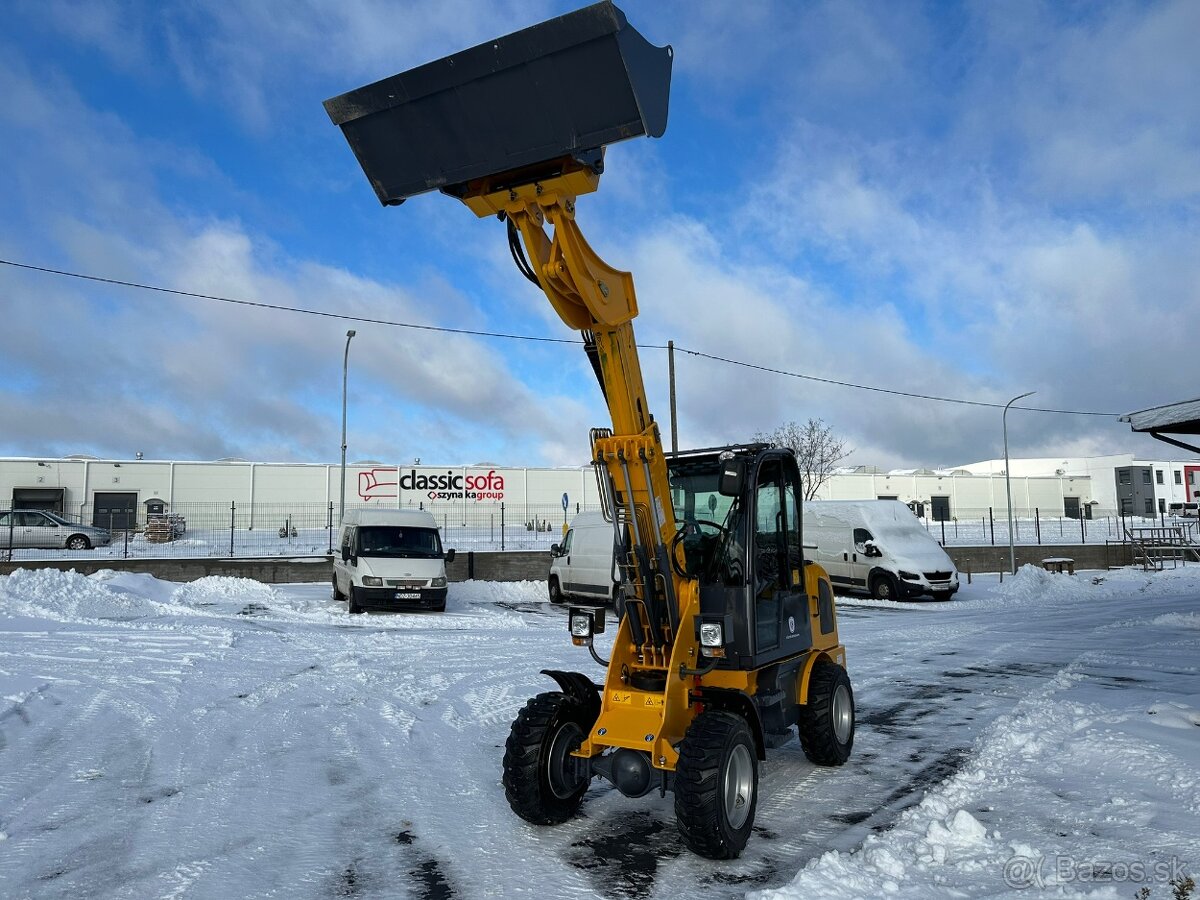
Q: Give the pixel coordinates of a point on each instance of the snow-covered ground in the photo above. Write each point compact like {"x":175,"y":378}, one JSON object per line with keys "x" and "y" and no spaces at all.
{"x":226,"y":738}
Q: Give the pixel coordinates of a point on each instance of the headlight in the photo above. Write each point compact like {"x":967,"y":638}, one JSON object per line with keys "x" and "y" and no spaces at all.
{"x":372,"y":581}
{"x":910,"y":576}
{"x":581,"y":625}
{"x":440,"y":581}
{"x":711,"y":634}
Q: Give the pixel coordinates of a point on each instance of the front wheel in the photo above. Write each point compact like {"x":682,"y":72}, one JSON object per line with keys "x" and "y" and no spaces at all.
{"x":885,"y":587}
{"x":78,"y":542}
{"x":353,"y":606}
{"x":826,"y":721}
{"x":540,"y":778}
{"x":716,"y":785}
{"x":556,"y":594}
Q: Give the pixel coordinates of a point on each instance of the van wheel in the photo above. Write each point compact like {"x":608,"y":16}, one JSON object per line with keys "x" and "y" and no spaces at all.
{"x":353,"y":607}
{"x":556,"y":594}
{"x":337,"y":595}
{"x":885,"y":587}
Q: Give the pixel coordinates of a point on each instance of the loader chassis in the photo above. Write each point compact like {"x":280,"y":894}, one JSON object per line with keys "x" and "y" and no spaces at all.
{"x":727,"y":637}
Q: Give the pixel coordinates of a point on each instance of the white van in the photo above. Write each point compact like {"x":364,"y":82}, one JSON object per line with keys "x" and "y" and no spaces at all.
{"x":878,"y":546}
{"x":582,"y":566}
{"x":390,"y":559}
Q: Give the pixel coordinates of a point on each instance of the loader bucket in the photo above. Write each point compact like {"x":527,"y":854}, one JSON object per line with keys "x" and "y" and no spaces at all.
{"x":564,"y":88}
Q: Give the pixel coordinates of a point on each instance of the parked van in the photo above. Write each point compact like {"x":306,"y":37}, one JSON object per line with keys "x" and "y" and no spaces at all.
{"x":582,"y":566}
{"x":390,"y":559}
{"x":877,"y":546}
{"x":1186,"y":510}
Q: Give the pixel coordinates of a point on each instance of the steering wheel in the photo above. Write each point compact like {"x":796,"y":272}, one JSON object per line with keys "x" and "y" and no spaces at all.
{"x":683,"y":532}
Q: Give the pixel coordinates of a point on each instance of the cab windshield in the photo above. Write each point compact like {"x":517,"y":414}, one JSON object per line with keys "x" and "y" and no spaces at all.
{"x":394,"y":541}
{"x":710,"y":519}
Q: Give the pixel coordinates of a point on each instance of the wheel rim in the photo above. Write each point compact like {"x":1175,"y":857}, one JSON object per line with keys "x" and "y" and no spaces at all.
{"x":885,"y":589}
{"x":567,"y":738}
{"x":842,"y":710}
{"x":738,"y":788}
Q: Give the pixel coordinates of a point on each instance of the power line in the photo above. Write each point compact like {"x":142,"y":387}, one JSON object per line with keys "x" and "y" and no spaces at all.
{"x":279,"y":308}
{"x":525,"y":337}
{"x":867,"y":387}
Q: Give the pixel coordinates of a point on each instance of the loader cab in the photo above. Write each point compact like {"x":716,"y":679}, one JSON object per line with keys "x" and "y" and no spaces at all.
{"x":742,"y":539}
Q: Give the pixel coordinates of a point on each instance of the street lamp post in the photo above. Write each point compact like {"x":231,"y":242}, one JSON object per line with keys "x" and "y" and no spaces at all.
{"x":1012,"y":550}
{"x":345,"y":369}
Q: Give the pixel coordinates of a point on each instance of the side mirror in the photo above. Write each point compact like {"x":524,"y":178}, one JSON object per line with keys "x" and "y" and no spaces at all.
{"x":555,"y":550}
{"x":450,"y":555}
{"x":345,"y":554}
{"x":872,"y":550}
{"x":733,"y":474}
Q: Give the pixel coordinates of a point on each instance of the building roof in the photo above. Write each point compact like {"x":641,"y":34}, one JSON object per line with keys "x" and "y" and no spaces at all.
{"x":1174,"y":418}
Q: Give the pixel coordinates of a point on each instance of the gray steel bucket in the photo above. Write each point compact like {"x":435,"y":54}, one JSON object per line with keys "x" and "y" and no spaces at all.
{"x":563,"y":88}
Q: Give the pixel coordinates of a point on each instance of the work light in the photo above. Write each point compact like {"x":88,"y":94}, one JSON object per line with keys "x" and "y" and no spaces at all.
{"x":711,"y":634}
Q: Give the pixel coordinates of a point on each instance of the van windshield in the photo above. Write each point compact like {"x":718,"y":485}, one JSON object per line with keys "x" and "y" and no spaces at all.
{"x":392,"y":540}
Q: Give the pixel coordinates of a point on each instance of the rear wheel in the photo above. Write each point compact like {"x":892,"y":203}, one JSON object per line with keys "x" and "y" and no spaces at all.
{"x":885,"y":587}
{"x":556,"y":594}
{"x":826,"y":722}
{"x":540,"y":781}
{"x":716,"y":785}
{"x":78,"y":542}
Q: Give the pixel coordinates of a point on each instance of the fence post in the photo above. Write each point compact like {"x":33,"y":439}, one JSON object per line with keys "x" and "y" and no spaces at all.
{"x":943,"y":532}
{"x":232,"y":515}
{"x":329,"y":527}
{"x":127,"y":540}
{"x":501,"y":526}
{"x":1037,"y":523}
{"x":1082,"y":529}
{"x":992,"y":521}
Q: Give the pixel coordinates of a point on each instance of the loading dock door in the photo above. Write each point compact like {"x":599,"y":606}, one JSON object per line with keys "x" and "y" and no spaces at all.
{"x":49,"y":499}
{"x":941,"y":508}
{"x":114,"y":510}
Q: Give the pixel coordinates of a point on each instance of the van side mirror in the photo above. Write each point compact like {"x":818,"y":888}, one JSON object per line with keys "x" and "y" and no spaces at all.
{"x":872,"y":550}
{"x":345,"y":554}
{"x":450,"y":555}
{"x":733,"y":475}
{"x":555,"y":550}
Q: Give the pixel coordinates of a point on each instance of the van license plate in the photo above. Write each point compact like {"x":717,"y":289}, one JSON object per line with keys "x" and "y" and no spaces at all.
{"x":407,"y":596}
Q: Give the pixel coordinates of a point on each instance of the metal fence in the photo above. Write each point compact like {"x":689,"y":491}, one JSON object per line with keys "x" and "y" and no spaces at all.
{"x":310,"y":529}
{"x":989,"y":526}
{"x":285,"y":529}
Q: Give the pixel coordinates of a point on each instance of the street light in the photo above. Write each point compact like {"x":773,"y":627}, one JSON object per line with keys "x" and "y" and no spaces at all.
{"x":1012,"y":550}
{"x":345,"y":369}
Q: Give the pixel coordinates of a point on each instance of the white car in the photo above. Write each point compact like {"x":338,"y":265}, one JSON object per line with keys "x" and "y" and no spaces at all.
{"x":36,"y":528}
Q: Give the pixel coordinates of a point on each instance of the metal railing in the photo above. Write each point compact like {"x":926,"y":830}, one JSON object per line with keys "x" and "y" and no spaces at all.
{"x":245,"y":530}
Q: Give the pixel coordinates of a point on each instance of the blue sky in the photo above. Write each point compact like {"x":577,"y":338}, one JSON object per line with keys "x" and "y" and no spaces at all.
{"x":971,"y":200}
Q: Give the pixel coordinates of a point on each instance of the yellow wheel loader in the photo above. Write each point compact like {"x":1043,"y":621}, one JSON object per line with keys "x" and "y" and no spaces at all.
{"x":726,"y":636}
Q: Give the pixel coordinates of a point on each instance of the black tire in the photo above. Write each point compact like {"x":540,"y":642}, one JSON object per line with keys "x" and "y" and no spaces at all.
{"x":537,"y":781}
{"x":718,"y":766}
{"x":556,"y":594}
{"x":884,"y":586}
{"x":352,"y":605}
{"x":826,"y":722}
{"x":338,"y":596}
{"x":78,"y":542}
{"x":441,"y":607}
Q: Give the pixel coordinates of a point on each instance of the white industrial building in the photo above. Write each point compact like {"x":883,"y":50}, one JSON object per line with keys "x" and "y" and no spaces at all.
{"x":1119,"y":482}
{"x":120,"y":493}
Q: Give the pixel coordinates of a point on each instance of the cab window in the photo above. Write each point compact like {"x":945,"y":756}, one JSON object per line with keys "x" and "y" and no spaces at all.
{"x":861,"y":536}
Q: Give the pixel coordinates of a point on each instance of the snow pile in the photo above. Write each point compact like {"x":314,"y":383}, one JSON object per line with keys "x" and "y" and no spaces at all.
{"x":69,"y":596}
